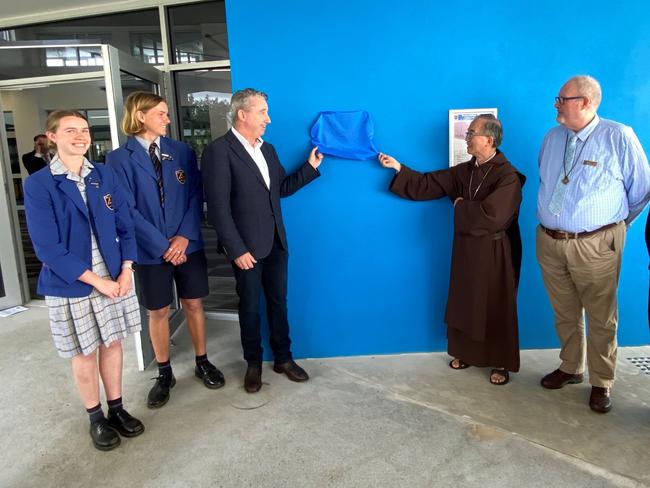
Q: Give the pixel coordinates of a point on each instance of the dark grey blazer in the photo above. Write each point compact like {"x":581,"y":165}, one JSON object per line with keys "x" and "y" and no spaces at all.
{"x":241,"y":208}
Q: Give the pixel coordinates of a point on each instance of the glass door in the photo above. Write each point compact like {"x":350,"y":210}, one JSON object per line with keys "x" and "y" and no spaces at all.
{"x":10,"y":284}
{"x":127,"y":75}
{"x":35,"y":79}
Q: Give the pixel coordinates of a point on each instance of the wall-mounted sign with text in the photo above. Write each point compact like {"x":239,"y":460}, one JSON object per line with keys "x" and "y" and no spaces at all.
{"x":459,"y":120}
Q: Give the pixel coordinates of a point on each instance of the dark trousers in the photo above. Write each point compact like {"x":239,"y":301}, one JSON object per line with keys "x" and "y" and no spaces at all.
{"x":269,"y":275}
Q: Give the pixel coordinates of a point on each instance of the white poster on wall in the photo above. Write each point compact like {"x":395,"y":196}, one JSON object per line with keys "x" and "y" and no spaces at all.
{"x":459,"y":120}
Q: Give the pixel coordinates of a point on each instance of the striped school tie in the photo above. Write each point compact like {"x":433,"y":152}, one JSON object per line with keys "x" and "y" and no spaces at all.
{"x":158,"y":167}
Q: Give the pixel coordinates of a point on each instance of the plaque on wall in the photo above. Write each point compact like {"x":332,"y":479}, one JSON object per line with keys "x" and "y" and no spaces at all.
{"x":459,"y":120}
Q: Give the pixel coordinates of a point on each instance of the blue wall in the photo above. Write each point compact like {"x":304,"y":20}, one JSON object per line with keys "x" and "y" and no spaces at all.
{"x":368,"y":271}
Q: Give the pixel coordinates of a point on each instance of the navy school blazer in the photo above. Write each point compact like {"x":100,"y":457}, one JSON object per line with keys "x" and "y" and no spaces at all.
{"x":59,"y":225}
{"x":183,"y":212}
{"x":245,"y":214}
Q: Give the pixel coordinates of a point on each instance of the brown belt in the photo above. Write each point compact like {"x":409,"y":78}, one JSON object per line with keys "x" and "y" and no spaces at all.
{"x":560,"y":234}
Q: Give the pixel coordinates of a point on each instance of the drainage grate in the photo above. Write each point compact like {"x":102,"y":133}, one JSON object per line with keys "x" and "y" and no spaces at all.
{"x":643,"y":363}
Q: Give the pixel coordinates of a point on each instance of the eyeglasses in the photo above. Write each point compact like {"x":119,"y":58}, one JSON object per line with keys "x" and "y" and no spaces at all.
{"x":562,"y":100}
{"x":471,"y":133}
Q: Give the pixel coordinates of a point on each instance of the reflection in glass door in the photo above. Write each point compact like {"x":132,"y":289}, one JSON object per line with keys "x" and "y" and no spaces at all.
{"x":202,"y":104}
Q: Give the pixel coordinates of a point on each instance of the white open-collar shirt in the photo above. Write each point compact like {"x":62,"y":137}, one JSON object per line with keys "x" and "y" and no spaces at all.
{"x":256,"y":153}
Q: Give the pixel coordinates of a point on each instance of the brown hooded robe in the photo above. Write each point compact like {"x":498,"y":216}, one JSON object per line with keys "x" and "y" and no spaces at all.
{"x":481,"y":310}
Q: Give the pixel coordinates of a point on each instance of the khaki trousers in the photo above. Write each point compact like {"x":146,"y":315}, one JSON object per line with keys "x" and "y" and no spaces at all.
{"x":582,"y":275}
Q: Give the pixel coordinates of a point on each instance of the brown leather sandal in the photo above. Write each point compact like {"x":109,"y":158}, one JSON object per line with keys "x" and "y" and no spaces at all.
{"x":501,"y":372}
{"x":461,"y":364}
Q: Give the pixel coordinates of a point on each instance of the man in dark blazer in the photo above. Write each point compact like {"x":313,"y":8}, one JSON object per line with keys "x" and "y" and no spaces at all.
{"x":39,"y":157}
{"x":244,"y":181}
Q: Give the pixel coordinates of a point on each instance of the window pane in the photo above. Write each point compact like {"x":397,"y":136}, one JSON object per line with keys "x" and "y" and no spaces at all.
{"x":9,"y":121}
{"x":126,"y":31}
{"x":40,"y":61}
{"x":11,"y":142}
{"x":131,"y":83}
{"x":203,"y":99}
{"x":198,"y":32}
{"x":148,"y":47}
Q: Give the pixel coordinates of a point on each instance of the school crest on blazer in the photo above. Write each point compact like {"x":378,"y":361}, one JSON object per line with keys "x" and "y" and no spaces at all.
{"x":180,"y":176}
{"x":108,"y":200}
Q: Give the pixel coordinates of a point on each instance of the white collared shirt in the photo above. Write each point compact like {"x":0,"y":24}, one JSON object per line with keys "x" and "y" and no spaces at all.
{"x":146,"y":144}
{"x":477,"y":164}
{"x":255,"y":152}
{"x":47,"y":157}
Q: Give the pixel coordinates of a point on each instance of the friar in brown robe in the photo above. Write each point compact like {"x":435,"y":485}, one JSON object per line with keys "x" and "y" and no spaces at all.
{"x":481,"y":312}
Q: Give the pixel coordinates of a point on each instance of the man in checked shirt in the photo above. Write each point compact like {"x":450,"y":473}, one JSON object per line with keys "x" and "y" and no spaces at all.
{"x":594,"y":181}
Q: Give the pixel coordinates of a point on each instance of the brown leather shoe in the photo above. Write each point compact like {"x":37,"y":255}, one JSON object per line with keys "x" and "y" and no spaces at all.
{"x":558,"y":378}
{"x":600,"y":400}
{"x":292,"y":370}
{"x":253,"y":378}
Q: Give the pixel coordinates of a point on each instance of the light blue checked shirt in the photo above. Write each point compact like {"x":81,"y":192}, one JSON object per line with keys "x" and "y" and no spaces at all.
{"x":610,"y":181}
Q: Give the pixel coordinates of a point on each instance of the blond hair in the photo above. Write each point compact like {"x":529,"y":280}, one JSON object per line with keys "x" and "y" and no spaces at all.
{"x":138,"y":101}
{"x":53,"y":120}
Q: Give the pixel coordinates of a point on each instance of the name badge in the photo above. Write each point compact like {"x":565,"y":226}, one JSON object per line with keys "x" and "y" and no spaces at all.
{"x":92,"y":182}
{"x":587,"y":162}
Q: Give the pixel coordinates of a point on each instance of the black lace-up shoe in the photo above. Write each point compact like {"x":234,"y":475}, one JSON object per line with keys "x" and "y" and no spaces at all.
{"x":124,"y":423}
{"x":207,"y":372}
{"x":104,"y":436}
{"x":159,"y":394}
